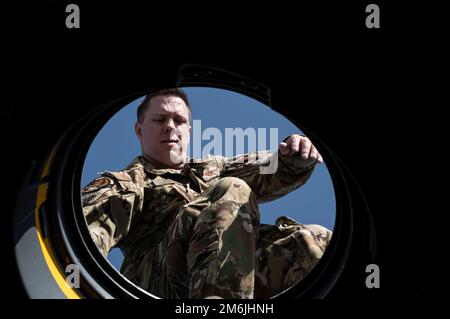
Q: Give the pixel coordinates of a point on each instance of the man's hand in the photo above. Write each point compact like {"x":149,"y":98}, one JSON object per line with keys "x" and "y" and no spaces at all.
{"x":300,"y":144}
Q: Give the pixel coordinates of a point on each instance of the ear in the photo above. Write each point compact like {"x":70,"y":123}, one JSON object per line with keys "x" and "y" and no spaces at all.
{"x":138,"y":130}
{"x":189,"y":136}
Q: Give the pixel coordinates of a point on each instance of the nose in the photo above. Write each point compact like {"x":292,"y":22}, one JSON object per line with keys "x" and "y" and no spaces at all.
{"x":169,"y":126}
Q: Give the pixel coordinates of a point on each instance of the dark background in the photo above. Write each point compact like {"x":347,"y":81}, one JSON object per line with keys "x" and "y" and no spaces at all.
{"x":363,"y":92}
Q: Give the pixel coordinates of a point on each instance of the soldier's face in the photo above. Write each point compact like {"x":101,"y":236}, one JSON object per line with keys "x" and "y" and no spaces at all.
{"x":164,"y":132}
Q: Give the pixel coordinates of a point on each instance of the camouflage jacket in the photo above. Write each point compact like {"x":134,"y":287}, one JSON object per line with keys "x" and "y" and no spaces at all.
{"x":133,"y":208}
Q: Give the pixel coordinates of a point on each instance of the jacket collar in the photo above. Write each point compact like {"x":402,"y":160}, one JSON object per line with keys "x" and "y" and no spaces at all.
{"x":151,"y":166}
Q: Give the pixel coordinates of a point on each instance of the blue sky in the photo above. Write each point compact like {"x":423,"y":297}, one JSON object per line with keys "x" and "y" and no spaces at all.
{"x":116,"y":145}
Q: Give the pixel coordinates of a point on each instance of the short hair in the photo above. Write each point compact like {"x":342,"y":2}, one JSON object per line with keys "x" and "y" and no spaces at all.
{"x":143,"y":107}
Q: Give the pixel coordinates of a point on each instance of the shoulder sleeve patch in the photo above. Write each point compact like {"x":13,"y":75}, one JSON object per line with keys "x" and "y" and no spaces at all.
{"x":98,"y":183}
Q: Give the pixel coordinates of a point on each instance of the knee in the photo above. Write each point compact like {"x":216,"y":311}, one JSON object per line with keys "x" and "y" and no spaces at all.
{"x":234,"y":187}
{"x":237,"y":190}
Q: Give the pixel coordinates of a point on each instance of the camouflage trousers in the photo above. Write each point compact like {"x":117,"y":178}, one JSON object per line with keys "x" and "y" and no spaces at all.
{"x":216,"y":247}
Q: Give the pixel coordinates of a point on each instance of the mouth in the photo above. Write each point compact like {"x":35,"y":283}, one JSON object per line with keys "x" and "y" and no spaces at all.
{"x":170,"y":141}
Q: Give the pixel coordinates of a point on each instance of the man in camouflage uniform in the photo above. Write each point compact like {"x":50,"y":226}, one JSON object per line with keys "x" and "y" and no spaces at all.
{"x":190,"y":228}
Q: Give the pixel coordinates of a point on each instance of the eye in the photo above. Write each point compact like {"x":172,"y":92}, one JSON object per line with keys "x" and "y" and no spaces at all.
{"x":180,"y":120}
